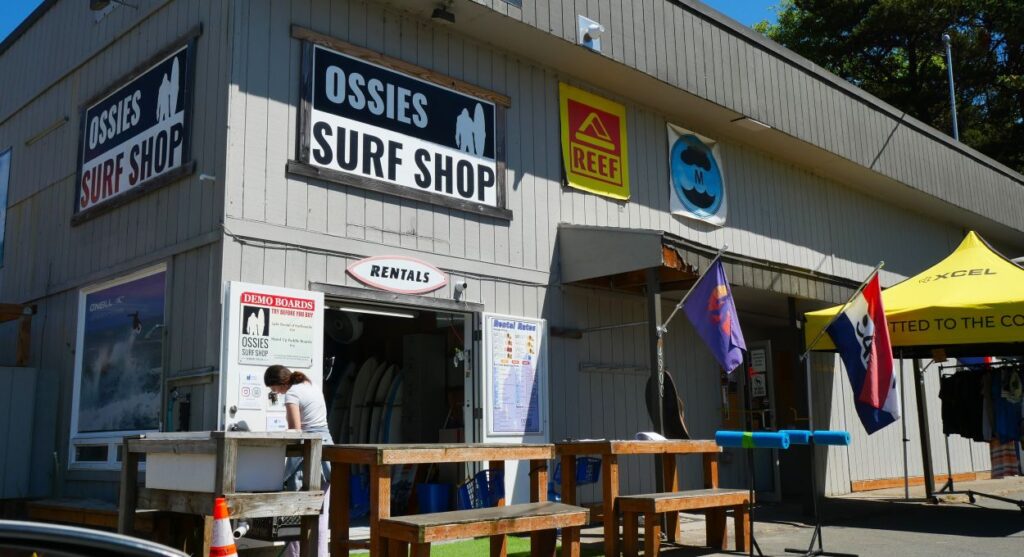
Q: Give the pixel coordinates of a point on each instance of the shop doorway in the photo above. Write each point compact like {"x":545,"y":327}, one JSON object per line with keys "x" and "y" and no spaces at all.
{"x":399,"y":374}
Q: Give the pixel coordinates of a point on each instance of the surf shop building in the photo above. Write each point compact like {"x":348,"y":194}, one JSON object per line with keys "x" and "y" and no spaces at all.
{"x":461,"y":220}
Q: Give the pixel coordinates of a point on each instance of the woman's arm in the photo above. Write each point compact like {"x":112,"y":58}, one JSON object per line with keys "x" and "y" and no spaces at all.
{"x":294,"y":418}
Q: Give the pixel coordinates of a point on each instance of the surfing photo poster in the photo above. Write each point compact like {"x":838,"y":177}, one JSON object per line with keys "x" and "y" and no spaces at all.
{"x":121,"y":346}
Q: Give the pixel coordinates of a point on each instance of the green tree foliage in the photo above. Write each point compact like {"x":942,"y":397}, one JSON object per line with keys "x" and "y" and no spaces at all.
{"x":893,"y":49}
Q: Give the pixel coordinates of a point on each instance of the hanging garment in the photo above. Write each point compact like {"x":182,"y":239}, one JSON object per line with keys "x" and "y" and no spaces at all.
{"x":963,"y":405}
{"x":1006,"y":403}
{"x":1004,"y":459}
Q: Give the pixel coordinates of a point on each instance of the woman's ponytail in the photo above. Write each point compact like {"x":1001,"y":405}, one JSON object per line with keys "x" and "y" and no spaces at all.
{"x":280,"y":375}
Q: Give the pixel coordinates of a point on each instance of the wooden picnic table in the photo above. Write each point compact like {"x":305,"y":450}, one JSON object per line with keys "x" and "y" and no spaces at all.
{"x":609,"y":451}
{"x":381,"y":457}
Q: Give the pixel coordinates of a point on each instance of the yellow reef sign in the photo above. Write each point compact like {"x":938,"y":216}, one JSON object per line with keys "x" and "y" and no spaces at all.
{"x":594,"y":146}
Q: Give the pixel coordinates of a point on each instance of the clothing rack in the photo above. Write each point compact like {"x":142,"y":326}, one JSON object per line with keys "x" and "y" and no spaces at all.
{"x":949,"y":488}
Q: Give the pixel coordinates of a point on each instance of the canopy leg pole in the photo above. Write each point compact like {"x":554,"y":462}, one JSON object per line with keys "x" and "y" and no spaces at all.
{"x":657,"y":355}
{"x":923,"y":427}
{"x":903,"y":422}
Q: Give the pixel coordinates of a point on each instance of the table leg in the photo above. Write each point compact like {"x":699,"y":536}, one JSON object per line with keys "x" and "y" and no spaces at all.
{"x":569,"y":479}
{"x":571,"y":540}
{"x":499,"y":544}
{"x":652,"y":534}
{"x":668,"y":467}
{"x":714,"y":524}
{"x":630,"y":534}
{"x":380,"y":505}
{"x":397,"y":548}
{"x":610,"y":482}
{"x":542,"y":544}
{"x":207,"y":534}
{"x":129,"y":493}
{"x":741,"y":517}
{"x":339,"y":517}
{"x":421,"y":550}
{"x":539,"y":493}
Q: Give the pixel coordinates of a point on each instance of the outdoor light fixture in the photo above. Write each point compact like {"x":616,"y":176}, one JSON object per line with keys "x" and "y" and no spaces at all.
{"x":370,"y":310}
{"x":442,"y":15}
{"x":590,"y":33}
{"x":99,"y":5}
{"x":748,"y":123}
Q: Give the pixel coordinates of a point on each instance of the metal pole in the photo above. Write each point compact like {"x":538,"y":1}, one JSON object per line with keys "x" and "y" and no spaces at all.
{"x":952,"y":90}
{"x":922,"y":419}
{"x":821,"y":333}
{"x":657,"y":354}
{"x":679,"y":306}
{"x":903,"y":408}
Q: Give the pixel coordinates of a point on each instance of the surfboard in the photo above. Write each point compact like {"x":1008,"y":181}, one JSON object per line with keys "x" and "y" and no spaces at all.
{"x":366,"y":404}
{"x":379,"y":401}
{"x":391,"y":429}
{"x":337,"y":421}
{"x":358,"y":392}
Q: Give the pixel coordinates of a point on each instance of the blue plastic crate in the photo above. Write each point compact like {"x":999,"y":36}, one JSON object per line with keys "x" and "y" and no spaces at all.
{"x":484,"y":489}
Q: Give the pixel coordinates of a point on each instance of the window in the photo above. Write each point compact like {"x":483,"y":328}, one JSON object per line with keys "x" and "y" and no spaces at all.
{"x":119,"y":365}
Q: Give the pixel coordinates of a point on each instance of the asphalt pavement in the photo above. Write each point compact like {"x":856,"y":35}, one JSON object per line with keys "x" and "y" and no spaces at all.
{"x":883,"y":524}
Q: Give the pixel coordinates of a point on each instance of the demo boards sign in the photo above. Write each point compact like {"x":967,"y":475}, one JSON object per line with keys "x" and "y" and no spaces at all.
{"x":277,"y":328}
{"x":137,"y":137}
{"x":377,"y":128}
{"x":395,"y":273}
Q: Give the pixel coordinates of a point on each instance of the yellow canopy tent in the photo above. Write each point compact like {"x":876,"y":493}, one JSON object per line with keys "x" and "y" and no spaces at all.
{"x":969,"y":304}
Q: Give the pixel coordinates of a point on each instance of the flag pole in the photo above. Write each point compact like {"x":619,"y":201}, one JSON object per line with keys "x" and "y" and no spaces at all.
{"x":664,"y":327}
{"x":821,"y":333}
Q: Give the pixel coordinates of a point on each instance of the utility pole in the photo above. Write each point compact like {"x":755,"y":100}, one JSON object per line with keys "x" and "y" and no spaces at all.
{"x":952,"y":96}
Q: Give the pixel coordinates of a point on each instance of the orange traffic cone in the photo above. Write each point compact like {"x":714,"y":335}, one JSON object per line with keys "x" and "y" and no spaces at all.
{"x":223,"y":542}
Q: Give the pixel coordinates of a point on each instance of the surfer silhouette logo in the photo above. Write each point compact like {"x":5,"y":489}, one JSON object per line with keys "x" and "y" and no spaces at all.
{"x":471,"y":132}
{"x":255,"y":321}
{"x":167,"y":96}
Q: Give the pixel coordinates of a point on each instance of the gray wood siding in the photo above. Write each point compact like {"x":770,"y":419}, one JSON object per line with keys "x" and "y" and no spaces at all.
{"x":691,"y":46}
{"x":64,"y":60}
{"x":776,"y":209}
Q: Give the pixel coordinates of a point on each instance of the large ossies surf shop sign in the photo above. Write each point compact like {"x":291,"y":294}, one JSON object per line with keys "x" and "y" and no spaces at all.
{"x":367,"y":124}
{"x":137,"y":137}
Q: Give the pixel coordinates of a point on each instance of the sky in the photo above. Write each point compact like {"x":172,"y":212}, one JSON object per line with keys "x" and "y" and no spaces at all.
{"x":747,"y":12}
{"x":13,"y":13}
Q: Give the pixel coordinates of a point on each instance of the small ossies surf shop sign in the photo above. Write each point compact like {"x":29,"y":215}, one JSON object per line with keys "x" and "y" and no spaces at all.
{"x":396,"y":273}
{"x":136,"y":137}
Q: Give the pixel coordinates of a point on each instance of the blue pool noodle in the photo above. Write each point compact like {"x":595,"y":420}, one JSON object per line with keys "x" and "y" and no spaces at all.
{"x":841,"y":438}
{"x":752,"y":440}
{"x":798,"y":436}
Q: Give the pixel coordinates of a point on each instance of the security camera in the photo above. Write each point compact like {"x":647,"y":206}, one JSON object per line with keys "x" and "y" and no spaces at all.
{"x":595,"y":30}
{"x":461,"y":286}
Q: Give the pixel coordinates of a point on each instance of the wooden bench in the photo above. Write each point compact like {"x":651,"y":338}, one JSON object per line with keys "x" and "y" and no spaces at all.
{"x":419,"y":531}
{"x":714,"y":501}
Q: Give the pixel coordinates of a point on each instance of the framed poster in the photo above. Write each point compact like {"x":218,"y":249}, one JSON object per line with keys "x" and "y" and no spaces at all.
{"x":515,"y":369}
{"x":119,"y":364}
{"x":697,"y":184}
{"x":378,"y":123}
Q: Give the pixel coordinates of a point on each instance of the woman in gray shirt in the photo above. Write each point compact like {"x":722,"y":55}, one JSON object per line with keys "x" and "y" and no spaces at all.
{"x":305,"y":411}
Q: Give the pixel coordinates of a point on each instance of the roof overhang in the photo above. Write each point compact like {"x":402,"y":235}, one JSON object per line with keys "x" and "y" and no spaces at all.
{"x":618,"y":258}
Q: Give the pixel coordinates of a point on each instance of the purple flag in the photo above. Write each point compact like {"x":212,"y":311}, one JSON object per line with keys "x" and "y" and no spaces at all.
{"x":712,"y":311}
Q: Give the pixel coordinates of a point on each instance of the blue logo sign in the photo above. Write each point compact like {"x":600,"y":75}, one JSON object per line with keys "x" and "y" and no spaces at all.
{"x":696,"y":179}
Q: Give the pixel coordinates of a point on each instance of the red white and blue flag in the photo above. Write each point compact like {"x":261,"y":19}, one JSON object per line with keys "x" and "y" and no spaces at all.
{"x":861,"y":334}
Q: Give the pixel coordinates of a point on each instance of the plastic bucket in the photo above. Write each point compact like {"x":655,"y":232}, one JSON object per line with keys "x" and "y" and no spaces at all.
{"x":433,"y":498}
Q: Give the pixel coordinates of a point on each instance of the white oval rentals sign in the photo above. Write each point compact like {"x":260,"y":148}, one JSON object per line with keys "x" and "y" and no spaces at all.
{"x":395,"y":273}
